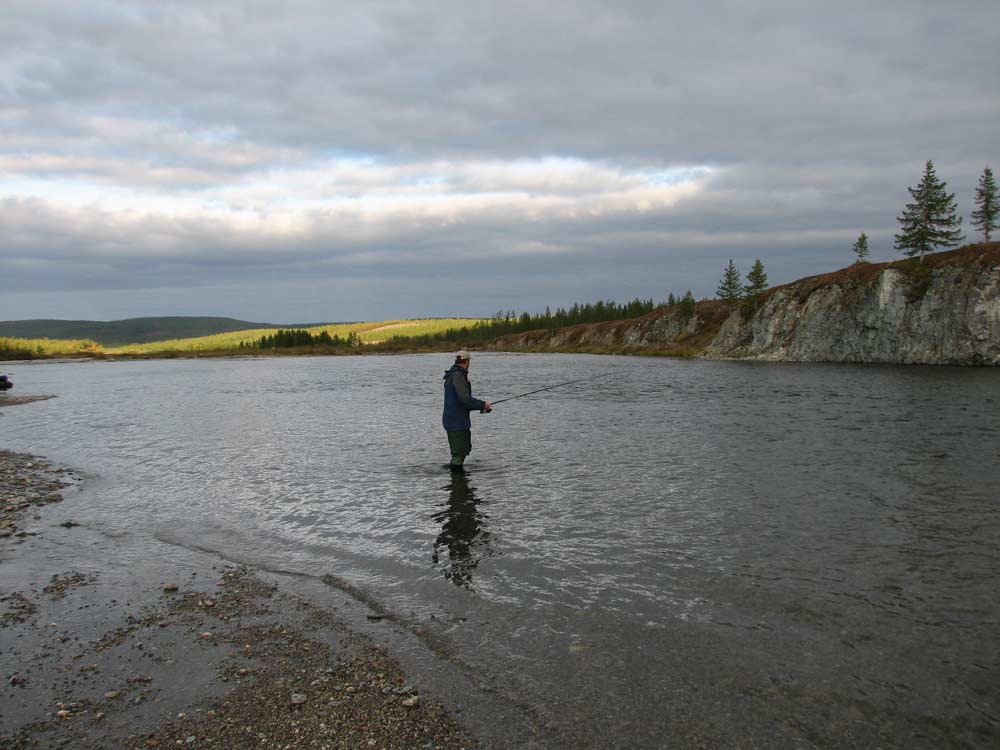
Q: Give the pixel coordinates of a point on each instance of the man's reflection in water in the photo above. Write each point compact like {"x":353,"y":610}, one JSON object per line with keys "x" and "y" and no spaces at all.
{"x":463,"y":532}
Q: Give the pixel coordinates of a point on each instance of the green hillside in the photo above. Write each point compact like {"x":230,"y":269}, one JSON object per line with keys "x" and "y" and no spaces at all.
{"x":129,"y":331}
{"x":375,"y":334}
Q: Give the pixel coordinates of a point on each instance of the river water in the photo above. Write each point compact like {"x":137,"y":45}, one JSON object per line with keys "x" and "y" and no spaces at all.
{"x":674,"y":554}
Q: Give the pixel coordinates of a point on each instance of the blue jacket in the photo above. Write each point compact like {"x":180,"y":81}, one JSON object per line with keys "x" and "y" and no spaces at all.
{"x":458,"y":400}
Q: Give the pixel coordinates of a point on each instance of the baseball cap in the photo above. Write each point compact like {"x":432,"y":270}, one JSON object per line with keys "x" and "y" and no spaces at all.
{"x":462,"y":354}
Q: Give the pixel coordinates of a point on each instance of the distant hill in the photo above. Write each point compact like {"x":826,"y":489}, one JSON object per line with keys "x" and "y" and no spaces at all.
{"x":129,"y":331}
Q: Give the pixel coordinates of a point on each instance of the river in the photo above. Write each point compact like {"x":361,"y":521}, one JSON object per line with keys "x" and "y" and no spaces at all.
{"x":673,"y":554}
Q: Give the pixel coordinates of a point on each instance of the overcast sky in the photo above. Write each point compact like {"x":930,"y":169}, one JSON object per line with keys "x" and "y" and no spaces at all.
{"x":318,"y":161}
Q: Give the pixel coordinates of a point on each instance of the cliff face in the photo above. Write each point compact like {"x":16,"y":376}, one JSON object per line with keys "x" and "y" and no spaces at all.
{"x":945,"y":310}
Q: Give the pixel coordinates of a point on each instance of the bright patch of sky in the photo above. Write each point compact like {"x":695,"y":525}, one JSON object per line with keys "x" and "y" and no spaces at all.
{"x":369,"y":187}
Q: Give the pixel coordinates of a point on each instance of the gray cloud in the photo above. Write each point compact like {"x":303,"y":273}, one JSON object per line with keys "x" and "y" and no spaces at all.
{"x":348,"y":151}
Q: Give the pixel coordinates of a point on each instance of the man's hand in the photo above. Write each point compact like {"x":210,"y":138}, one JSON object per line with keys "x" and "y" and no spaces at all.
{"x":488,"y":408}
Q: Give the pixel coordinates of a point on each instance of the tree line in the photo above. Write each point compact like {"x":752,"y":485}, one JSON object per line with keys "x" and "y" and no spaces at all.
{"x":288,"y":338}
{"x":504,"y":323}
{"x":500,"y":324}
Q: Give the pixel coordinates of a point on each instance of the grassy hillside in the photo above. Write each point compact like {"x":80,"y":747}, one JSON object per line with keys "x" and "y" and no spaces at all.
{"x":129,"y":331}
{"x":12,"y":348}
{"x":370,"y":333}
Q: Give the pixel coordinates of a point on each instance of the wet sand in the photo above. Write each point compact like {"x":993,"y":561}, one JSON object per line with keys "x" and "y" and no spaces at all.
{"x":217,"y":656}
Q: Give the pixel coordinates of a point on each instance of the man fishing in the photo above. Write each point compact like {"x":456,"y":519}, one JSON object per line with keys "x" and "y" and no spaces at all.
{"x":458,"y":402}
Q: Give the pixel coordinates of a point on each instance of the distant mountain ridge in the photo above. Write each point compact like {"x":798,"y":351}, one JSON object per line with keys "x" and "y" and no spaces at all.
{"x":128,"y":331}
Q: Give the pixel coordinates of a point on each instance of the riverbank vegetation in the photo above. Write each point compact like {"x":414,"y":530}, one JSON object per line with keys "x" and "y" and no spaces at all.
{"x":16,"y":348}
{"x":387,"y":336}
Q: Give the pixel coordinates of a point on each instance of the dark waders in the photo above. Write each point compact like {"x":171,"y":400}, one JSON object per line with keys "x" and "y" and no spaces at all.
{"x":460,"y":442}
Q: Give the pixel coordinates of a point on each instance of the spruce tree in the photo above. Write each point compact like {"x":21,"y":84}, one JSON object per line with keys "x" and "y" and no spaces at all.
{"x":931,"y":221}
{"x":686,"y":305}
{"x":986,"y":218}
{"x":757,"y":279}
{"x":860,"y":248}
{"x":730,"y":288}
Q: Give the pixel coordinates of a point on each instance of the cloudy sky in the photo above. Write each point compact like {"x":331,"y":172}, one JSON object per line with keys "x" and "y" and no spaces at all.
{"x":314,"y":161}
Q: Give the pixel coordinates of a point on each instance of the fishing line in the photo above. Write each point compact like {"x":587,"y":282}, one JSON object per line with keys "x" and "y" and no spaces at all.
{"x":549,"y":388}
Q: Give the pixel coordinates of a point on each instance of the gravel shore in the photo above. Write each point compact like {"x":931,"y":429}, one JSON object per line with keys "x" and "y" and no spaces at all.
{"x":26,"y":483}
{"x":223,"y":659}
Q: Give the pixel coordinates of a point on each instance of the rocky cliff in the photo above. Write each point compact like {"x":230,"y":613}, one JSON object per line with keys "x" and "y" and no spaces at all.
{"x":945,"y":310}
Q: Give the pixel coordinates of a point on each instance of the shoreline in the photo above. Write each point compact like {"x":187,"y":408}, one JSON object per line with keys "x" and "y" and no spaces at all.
{"x":199,"y":653}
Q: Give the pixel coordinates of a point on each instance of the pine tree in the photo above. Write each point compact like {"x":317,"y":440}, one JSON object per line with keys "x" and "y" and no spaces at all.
{"x":757,"y":279}
{"x":860,"y":248}
{"x":987,"y":217}
{"x":729,"y":288}
{"x":671,"y":300}
{"x":931,"y":221}
{"x":686,"y":305}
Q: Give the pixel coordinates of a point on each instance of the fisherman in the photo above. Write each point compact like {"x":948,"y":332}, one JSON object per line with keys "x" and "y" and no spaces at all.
{"x":5,"y":384}
{"x":458,"y":402}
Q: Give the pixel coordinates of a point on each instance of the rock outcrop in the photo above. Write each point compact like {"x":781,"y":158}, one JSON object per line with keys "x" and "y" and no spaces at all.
{"x":944,"y":310}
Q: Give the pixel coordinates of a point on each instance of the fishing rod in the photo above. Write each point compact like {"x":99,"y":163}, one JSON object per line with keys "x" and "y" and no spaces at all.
{"x":549,"y":388}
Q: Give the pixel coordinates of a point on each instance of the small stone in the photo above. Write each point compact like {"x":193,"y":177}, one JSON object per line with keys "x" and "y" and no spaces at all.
{"x":169,"y":588}
{"x":298,"y":699}
{"x":111,"y":694}
{"x":206,"y":635}
{"x":412,"y":701}
{"x":63,"y":714}
{"x":189,"y":739}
